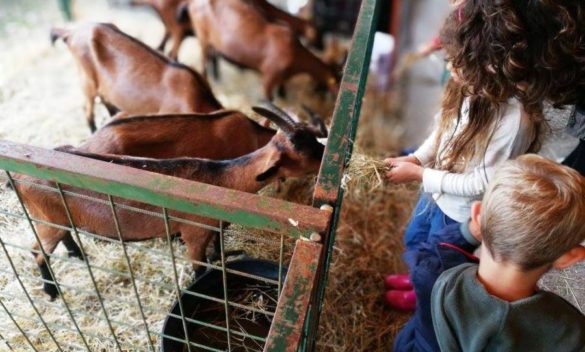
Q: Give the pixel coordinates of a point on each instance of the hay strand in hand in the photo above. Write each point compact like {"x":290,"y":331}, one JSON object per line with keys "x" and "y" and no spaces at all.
{"x":364,"y":171}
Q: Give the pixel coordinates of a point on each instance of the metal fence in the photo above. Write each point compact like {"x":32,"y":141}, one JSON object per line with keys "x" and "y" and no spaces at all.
{"x":119,"y":295}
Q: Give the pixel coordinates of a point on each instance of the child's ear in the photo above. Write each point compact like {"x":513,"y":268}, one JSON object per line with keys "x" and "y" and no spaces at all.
{"x":573,"y":256}
{"x":475,"y":222}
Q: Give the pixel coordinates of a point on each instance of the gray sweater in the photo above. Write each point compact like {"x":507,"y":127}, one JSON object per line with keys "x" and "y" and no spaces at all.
{"x":467,"y":318}
{"x":576,"y":125}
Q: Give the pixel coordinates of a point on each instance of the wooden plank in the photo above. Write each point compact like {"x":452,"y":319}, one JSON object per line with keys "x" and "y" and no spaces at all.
{"x":287,"y":326}
{"x":165,"y":191}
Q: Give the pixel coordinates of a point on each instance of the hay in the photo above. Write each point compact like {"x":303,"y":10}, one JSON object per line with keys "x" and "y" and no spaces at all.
{"x":364,"y":171}
{"x":368,"y":246}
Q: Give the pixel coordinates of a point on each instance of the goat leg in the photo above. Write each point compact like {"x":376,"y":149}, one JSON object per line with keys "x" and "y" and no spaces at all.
{"x":216,"y":255}
{"x":73,"y":249}
{"x":163,"y":43}
{"x":213,"y":60}
{"x":112,"y":110}
{"x":49,"y":285}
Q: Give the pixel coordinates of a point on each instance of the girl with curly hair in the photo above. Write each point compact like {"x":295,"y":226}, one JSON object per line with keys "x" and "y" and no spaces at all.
{"x":533,"y":51}
{"x":476,"y":131}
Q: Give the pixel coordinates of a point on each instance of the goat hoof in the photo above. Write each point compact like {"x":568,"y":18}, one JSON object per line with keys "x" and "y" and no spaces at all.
{"x":51,"y":290}
{"x":76,"y":254}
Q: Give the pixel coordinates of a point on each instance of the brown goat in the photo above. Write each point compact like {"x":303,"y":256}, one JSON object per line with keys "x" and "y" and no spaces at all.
{"x":293,"y":151}
{"x":175,"y":30}
{"x":301,"y":27}
{"x":238,"y":31}
{"x":219,"y":135}
{"x":129,"y":76}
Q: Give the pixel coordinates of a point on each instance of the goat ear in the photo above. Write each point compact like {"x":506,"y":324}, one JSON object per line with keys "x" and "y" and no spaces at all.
{"x":271,"y":172}
{"x":317,"y":125}
{"x":271,"y":167}
{"x":64,"y":148}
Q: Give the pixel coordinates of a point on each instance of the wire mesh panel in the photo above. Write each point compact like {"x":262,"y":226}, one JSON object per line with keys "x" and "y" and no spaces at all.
{"x":107,"y":289}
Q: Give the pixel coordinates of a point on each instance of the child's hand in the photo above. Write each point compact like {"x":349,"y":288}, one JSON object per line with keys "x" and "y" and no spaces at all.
{"x":404,"y":172}
{"x":408,"y":159}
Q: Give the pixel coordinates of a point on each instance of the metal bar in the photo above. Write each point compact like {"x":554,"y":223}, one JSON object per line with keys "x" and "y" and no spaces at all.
{"x":339,"y":147}
{"x":129,"y":347}
{"x":30,"y":301}
{"x":92,"y":335}
{"x":121,"y":206}
{"x":84,"y":314}
{"x":10,"y":315}
{"x":187,"y":292}
{"x":347,"y":108}
{"x":6,"y":342}
{"x":150,"y":332}
{"x":138,"y":301}
{"x":280,"y":258}
{"x":287,"y":325}
{"x":134,"y":245}
{"x":219,"y":328}
{"x":165,"y":191}
{"x":89,"y":270}
{"x":176,"y":275}
{"x":46,"y":259}
{"x":225,"y":288}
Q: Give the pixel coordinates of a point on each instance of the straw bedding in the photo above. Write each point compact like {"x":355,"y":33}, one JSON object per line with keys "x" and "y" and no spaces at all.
{"x":41,"y":104}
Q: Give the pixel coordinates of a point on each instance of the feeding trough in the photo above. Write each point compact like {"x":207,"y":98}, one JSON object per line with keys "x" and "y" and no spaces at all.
{"x":205,"y":319}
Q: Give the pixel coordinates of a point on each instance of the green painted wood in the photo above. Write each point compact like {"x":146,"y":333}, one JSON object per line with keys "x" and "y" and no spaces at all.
{"x":293,"y":303}
{"x":165,"y":191}
{"x":340,"y":146}
{"x":347,"y":108}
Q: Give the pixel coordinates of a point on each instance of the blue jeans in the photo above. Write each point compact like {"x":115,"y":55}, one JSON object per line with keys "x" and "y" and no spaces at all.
{"x":427,"y":219}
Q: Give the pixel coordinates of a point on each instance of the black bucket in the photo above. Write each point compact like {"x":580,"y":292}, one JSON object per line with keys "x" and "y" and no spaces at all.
{"x":240,"y":290}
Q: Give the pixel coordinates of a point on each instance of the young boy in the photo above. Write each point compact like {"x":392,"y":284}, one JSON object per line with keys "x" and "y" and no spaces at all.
{"x":530,"y":220}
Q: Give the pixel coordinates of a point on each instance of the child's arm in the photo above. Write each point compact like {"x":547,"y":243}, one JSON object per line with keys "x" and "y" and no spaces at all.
{"x":422,"y":156}
{"x":426,"y":152}
{"x":512,"y":137}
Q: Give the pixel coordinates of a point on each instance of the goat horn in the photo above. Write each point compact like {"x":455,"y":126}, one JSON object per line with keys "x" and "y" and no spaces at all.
{"x":274,"y":114}
{"x":286,"y":116}
{"x":317,"y":122}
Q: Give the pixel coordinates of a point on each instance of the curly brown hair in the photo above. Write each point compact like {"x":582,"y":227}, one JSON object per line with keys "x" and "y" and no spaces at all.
{"x":533,"y":50}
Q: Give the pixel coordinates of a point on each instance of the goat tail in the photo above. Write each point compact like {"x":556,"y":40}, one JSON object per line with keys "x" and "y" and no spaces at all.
{"x":58,"y":33}
{"x":182,"y":14}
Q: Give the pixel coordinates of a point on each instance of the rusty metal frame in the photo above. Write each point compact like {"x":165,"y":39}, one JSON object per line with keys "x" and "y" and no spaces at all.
{"x":328,"y":190}
{"x":280,"y":217}
{"x":164,"y":191}
{"x":287,"y":329}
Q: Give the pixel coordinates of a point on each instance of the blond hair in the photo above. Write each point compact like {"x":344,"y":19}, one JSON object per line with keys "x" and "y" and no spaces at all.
{"x":533,"y":212}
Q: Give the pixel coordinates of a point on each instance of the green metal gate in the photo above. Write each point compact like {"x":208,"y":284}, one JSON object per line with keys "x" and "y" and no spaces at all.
{"x":310,"y":231}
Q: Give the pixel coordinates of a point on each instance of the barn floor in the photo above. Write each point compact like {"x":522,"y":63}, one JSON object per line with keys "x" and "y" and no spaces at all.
{"x":41,"y":104}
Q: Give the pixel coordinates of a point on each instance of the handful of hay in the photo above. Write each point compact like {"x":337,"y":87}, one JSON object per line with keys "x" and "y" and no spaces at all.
{"x":364,"y":171}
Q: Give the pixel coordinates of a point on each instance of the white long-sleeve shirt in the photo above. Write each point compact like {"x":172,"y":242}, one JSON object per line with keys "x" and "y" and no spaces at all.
{"x":454,"y":192}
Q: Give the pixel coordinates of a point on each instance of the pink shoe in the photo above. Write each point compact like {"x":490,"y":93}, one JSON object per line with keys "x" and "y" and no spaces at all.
{"x":398,"y":282}
{"x":401,"y":300}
